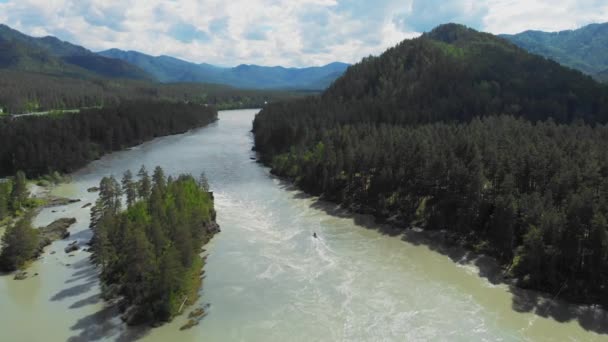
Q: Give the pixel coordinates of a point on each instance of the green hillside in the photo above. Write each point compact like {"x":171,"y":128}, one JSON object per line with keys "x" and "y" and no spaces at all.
{"x":51,"y":56}
{"x":459,"y":131}
{"x":585,"y":49}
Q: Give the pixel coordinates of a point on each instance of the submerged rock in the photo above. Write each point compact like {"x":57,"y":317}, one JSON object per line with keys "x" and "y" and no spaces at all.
{"x":72,"y":247}
{"x":87,"y":205}
{"x":197,"y":313}
{"x":191,"y":323}
{"x":213,"y":227}
{"x":57,"y":230}
{"x":21,"y":275}
{"x":93,"y":189}
{"x":59,"y":201}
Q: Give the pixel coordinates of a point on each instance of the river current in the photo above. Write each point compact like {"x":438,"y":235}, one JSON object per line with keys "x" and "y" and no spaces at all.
{"x":268,"y":279}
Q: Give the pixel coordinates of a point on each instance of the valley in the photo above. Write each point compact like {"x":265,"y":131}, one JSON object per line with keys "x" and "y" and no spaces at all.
{"x":303,"y":171}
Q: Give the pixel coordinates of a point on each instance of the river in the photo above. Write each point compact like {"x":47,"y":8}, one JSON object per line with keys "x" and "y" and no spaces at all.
{"x":268,"y":279}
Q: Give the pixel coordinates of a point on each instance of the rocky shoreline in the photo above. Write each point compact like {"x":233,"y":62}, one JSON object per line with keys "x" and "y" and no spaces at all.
{"x":57,"y":230}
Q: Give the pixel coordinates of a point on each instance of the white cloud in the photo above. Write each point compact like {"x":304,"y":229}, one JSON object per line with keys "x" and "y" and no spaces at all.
{"x":514,"y":16}
{"x":279,"y":32}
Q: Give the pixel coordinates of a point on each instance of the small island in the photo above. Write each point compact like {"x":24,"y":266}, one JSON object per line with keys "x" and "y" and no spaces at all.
{"x":149,"y":251}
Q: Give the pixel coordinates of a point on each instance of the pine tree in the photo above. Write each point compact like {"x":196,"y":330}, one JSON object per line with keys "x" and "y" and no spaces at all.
{"x":5,"y":194}
{"x":144,"y":185}
{"x":158,"y":179}
{"x":20,"y":193}
{"x":129,"y":188}
{"x":203,"y":182}
{"x":19,"y":244}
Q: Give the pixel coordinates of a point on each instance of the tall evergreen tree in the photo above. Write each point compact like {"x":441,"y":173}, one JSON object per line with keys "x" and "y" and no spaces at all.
{"x":129,"y":188}
{"x":144,"y":184}
{"x":19,"y":244}
{"x":19,"y":192}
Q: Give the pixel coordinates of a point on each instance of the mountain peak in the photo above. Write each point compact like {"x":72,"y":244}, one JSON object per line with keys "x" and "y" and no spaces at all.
{"x":458,"y":34}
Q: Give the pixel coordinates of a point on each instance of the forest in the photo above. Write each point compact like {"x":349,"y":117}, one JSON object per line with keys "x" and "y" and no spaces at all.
{"x":148,"y":252}
{"x":39,"y":145}
{"x":23,"y":92}
{"x":464,"y":132}
{"x":20,"y":242}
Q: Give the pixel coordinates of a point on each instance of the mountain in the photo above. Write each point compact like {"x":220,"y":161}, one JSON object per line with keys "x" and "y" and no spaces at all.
{"x":585,"y":49}
{"x":463,"y":132}
{"x":451,"y":74}
{"x":53,"y":56}
{"x":168,"y":69}
{"x":602,"y":76}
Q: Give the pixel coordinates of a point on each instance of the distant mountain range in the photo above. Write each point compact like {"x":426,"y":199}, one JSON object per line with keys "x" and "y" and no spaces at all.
{"x":51,"y":56}
{"x":168,"y":69}
{"x":585,"y":49}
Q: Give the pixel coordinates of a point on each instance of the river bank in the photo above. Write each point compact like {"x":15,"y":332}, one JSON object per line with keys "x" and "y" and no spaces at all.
{"x":462,"y":253}
{"x":267,"y":278}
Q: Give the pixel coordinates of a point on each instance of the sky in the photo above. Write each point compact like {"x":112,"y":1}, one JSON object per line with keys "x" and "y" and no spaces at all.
{"x":280,"y":32}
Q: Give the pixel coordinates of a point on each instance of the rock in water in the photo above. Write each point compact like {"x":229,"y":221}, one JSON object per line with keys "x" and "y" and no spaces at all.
{"x":55,"y":231}
{"x":72,"y":247}
{"x":59,"y":201}
{"x":21,"y":275}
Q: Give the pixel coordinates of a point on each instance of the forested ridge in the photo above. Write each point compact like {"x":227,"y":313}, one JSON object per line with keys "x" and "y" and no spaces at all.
{"x":39,"y":145}
{"x":584,"y":49}
{"x":462,"y":131}
{"x":23,"y":92}
{"x":148,"y":251}
{"x":50,"y":55}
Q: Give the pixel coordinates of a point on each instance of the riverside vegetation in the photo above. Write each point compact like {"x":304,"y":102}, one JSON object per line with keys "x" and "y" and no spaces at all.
{"x":40,"y":145}
{"x":149,"y":252}
{"x":21,"y":243}
{"x":462,"y":131}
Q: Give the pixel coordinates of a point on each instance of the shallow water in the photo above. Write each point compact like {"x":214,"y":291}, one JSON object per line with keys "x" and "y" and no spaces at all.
{"x":267,"y":279}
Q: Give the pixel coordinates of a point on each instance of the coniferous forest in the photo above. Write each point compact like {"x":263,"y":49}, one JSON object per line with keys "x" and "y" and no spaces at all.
{"x":23,"y":92}
{"x":464,"y":132}
{"x":39,"y":145}
{"x":20,"y":241}
{"x":148,"y":248}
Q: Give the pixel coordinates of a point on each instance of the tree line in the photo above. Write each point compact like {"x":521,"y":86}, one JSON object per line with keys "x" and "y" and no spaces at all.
{"x":148,"y":249}
{"x":20,"y":241}
{"x":463,"y":132}
{"x":23,"y":92}
{"x":39,"y":145}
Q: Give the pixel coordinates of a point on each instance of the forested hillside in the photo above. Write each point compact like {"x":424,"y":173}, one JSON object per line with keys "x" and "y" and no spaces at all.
{"x":585,"y":49}
{"x":462,"y":131}
{"x":52,"y":56}
{"x":149,"y":250}
{"x":39,"y":145}
{"x":22,"y":92}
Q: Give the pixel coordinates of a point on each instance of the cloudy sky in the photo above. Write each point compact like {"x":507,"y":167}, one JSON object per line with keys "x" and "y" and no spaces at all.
{"x":280,"y":32}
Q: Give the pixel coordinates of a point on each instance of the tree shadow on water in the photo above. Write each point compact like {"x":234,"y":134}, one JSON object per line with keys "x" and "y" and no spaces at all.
{"x":85,"y":276}
{"x":91,"y":300}
{"x":88,"y":274}
{"x":590,"y":317}
{"x":105,"y":324}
